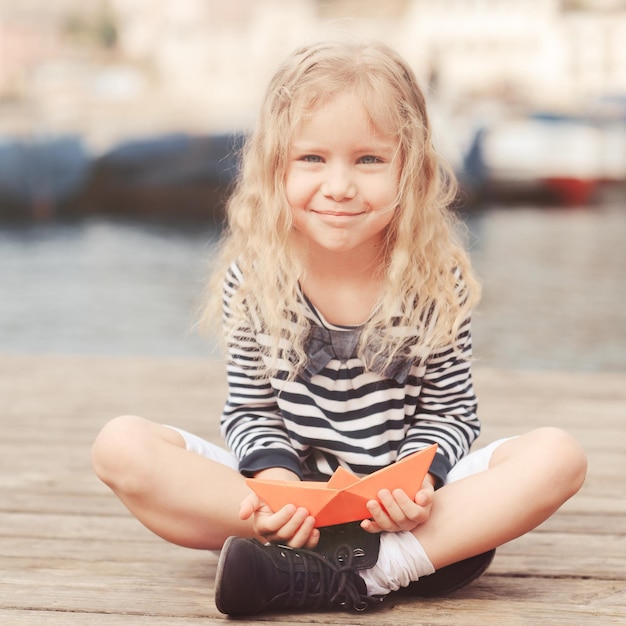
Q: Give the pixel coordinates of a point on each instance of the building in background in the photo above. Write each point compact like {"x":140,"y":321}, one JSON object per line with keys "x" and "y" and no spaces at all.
{"x":546,"y":53}
{"x":107,"y":67}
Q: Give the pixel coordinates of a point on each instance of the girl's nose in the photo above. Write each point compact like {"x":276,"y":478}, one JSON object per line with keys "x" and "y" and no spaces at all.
{"x":338,"y":183}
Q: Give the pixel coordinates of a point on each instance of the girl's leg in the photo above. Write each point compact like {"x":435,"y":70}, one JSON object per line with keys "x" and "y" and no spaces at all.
{"x":528,"y":479}
{"x":179,"y":495}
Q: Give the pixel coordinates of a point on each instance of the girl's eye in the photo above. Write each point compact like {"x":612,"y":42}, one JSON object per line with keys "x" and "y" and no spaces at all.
{"x":369,"y":159}
{"x":311,"y":158}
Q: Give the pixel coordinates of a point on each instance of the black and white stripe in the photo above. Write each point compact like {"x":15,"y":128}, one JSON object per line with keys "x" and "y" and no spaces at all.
{"x":344,"y":415}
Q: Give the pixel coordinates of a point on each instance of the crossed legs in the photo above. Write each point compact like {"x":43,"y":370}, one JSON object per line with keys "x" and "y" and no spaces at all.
{"x":194,"y":501}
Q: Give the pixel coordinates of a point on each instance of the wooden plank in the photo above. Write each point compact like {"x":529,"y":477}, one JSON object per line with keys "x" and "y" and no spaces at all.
{"x":57,"y":618}
{"x":73,"y":527}
{"x":69,"y":526}
{"x":594,"y":556}
{"x":78,"y":503}
{"x":16,"y":528}
{"x":492,"y":600}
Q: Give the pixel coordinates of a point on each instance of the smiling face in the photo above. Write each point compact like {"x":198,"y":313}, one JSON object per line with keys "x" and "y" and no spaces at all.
{"x":342,"y":178}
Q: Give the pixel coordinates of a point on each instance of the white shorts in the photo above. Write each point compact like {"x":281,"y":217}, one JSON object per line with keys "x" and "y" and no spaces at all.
{"x":205,"y":448}
{"x":474,"y":462}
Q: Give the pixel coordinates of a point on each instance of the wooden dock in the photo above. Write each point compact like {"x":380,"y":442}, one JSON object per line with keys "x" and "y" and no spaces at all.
{"x":70,"y":554}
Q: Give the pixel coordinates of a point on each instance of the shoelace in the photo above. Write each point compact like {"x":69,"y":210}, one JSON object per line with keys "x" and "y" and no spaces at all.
{"x":321,"y":581}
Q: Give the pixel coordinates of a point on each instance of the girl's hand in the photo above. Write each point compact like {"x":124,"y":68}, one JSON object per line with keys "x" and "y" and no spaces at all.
{"x":291,"y":525}
{"x":394,"y":512}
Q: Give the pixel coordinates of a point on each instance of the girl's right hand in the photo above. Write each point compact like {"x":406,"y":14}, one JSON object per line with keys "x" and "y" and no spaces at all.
{"x":291,"y":525}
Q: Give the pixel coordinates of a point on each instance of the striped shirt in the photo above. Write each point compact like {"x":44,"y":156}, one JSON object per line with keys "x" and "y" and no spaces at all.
{"x":338,"y":413}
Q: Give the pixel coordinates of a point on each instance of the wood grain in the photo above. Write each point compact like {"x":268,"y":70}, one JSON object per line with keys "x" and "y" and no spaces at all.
{"x":70,"y":553}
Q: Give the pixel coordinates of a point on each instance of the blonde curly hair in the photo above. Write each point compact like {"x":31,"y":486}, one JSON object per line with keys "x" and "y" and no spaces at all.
{"x":428,"y":283}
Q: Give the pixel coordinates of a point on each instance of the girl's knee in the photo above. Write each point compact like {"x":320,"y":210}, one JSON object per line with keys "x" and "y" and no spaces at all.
{"x":557,"y":458}
{"x":566,"y":455}
{"x":117,"y":450}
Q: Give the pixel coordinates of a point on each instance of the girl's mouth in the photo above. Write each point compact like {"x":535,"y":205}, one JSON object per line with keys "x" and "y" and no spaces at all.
{"x":338,"y":213}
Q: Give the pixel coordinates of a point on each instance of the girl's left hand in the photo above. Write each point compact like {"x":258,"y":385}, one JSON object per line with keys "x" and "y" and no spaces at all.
{"x":395,"y":512}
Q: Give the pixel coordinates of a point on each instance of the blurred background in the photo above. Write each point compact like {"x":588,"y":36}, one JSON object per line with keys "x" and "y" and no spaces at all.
{"x":119,"y":121}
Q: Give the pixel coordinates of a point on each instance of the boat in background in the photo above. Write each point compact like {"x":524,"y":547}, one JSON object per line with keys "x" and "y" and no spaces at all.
{"x":174,"y":176}
{"x":557,"y":158}
{"x":37,"y":176}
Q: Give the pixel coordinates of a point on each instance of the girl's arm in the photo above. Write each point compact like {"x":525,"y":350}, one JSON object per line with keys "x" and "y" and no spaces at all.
{"x":446,"y":415}
{"x":251,"y":423}
{"x":446,"y":411}
{"x":253,"y":428}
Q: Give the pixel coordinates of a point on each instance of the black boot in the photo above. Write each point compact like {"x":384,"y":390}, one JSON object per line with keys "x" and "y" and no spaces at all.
{"x":450,"y":578}
{"x":364,"y":546}
{"x":253,"y":577}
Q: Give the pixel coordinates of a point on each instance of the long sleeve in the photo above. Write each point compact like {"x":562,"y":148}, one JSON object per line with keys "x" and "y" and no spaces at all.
{"x":447,"y":405}
{"x":251,"y":422}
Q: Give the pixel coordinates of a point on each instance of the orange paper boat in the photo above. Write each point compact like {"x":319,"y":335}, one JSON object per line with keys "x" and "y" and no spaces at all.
{"x":343,"y":498}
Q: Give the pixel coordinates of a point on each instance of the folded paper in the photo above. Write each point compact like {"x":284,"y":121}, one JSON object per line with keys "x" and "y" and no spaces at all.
{"x":343,"y":498}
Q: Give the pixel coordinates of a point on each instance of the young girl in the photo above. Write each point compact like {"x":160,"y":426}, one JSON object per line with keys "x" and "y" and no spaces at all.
{"x":346,"y":306}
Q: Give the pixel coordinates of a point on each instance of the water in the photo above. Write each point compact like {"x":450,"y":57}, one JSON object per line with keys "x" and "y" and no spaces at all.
{"x":553,"y":280}
{"x":554,"y":288}
{"x":104,"y":287}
